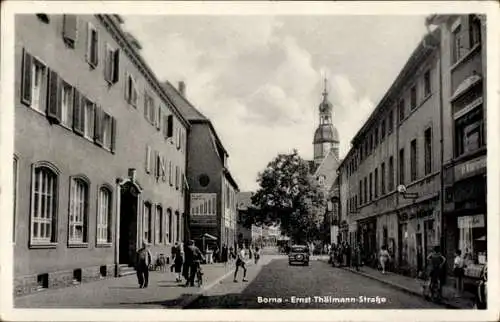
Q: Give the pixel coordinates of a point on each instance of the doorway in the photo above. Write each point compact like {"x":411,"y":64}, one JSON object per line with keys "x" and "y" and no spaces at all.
{"x":128,"y":223}
{"x":420,"y":253}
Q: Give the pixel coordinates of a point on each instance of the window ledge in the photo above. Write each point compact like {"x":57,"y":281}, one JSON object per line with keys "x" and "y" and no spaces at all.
{"x":465,"y":57}
{"x":78,"y":245}
{"x":42,"y":245}
{"x":104,"y":245}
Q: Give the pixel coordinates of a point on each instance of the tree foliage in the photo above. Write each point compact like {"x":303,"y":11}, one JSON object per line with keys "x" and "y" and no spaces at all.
{"x":288,"y":196}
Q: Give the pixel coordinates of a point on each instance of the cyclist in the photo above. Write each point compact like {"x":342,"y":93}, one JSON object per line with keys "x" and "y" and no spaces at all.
{"x":436,"y":261}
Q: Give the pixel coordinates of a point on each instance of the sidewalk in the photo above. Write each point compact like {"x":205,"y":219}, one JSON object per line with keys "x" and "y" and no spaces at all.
{"x":414,"y":286}
{"x":124,"y":292}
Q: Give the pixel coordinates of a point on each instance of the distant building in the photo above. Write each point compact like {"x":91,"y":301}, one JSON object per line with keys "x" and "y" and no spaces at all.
{"x":100,"y":153}
{"x":212,"y":188}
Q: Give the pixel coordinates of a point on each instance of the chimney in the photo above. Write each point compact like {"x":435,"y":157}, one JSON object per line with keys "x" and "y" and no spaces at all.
{"x":182,"y":88}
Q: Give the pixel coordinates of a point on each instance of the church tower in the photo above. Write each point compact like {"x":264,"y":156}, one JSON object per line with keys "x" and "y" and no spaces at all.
{"x":326,"y":137}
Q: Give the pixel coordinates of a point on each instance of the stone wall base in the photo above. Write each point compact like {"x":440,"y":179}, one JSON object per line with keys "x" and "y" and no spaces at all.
{"x":35,"y":283}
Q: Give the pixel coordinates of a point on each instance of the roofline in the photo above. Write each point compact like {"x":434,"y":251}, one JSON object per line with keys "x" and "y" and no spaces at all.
{"x":185,"y":100}
{"x":348,"y":154}
{"x":324,"y":160}
{"x":418,"y":54}
{"x":228,"y":176}
{"x":120,"y":36}
{"x":207,"y":121}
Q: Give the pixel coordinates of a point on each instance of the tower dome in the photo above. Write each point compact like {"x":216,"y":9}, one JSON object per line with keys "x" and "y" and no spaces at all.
{"x":326,"y":133}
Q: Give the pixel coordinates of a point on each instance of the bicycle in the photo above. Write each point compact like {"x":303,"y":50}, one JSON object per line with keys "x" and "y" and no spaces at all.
{"x":431,"y":289}
{"x":199,"y":275}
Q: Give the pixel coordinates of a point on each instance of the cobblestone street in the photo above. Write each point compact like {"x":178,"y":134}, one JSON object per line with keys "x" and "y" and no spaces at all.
{"x":275,"y":281}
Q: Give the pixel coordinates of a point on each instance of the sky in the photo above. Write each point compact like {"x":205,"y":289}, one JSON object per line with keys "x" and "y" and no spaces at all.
{"x":259,"y":78}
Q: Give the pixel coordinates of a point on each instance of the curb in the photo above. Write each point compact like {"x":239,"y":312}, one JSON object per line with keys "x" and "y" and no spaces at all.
{"x":402,"y":288}
{"x":199,"y":293}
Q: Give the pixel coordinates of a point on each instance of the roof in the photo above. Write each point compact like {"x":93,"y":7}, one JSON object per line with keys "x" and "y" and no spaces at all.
{"x":230,"y":178}
{"x":326,"y":133}
{"x":328,"y":169}
{"x":419,"y":53}
{"x":189,"y":112}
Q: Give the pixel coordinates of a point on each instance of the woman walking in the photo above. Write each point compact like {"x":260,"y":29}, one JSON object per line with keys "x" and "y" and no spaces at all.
{"x":178,"y":261}
{"x":458,"y":271}
{"x":384,"y":258}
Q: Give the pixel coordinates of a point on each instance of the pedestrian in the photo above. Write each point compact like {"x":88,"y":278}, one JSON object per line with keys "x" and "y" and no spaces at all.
{"x":348,"y":254}
{"x":240,"y":262}
{"x":384,"y":257}
{"x":437,"y":262}
{"x":357,"y":256}
{"x":178,"y":261}
{"x":193,"y":258}
{"x":143,"y":260}
{"x":458,"y":271}
{"x":257,"y":255}
{"x":224,"y":254}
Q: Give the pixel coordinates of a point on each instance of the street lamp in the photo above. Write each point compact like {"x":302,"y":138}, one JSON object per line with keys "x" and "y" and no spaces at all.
{"x":406,"y":195}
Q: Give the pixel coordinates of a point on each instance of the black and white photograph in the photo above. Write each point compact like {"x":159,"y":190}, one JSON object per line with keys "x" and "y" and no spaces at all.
{"x":179,"y":157}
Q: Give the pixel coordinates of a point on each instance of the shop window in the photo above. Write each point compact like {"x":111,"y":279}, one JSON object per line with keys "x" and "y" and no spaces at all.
{"x":469,"y":132}
{"x":472,"y":238}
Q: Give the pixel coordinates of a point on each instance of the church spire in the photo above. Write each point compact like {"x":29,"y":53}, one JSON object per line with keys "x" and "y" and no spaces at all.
{"x":325,"y":92}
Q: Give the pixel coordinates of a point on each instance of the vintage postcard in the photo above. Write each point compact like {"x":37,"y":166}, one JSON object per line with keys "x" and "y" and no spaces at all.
{"x":249,"y":161}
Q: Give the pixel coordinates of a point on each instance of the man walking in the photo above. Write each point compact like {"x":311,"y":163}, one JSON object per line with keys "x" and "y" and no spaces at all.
{"x":193,"y":257}
{"x":142,"y":265}
{"x":240,"y":261}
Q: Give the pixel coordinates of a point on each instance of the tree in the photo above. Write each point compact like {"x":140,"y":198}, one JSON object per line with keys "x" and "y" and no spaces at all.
{"x":288,"y":196}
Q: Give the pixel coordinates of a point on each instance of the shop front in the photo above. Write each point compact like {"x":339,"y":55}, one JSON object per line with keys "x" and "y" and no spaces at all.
{"x":368,"y":240}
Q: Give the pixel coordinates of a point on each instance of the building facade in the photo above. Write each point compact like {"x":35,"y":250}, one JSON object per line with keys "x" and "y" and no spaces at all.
{"x":390,"y":180}
{"x":463,"y":52}
{"x":212,"y":188}
{"x":100,"y":152}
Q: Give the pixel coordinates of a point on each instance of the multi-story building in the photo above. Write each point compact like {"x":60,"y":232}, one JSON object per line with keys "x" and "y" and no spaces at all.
{"x":212,"y":188}
{"x":100,"y":152}
{"x":390,"y":180}
{"x":463,"y":54}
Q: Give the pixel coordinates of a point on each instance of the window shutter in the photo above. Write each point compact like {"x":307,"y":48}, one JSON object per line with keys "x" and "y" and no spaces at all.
{"x":128,"y":87}
{"x":116,"y":70}
{"x":70,"y":29}
{"x":148,"y":159}
{"x":146,"y":105}
{"x":113,"y":134}
{"x":26,"y":82}
{"x":77,"y":113}
{"x":53,"y":101}
{"x":170,"y":126}
{"x":157,"y":165}
{"x":98,"y":125}
{"x":158,"y":118}
{"x":163,"y":164}
{"x":107,"y":64}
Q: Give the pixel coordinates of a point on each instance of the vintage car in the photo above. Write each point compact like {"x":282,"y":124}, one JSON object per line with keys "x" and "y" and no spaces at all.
{"x":299,"y":254}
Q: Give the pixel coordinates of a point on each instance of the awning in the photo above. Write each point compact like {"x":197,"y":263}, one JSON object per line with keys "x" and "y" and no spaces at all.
{"x":209,"y":236}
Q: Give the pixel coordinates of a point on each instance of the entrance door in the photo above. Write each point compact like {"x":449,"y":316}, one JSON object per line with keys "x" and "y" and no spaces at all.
{"x":128,"y":224}
{"x":420,"y":253}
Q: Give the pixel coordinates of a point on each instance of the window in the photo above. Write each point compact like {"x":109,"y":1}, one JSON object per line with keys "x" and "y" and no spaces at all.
{"x":428,"y":150}
{"x":469,"y":132}
{"x":458,"y":46}
{"x":475,"y":30}
{"x":92,"y":45}
{"x":413,"y":160}
{"x":375,"y":134}
{"x":371,"y":186}
{"x":427,"y":83}
{"x":366,"y":190}
{"x":148,"y":159}
{"x":70,"y":30}
{"x":147,"y":223}
{"x":108,"y":127}
{"x":89,"y":120}
{"x":34,"y":83}
{"x":14,"y":201}
{"x":159,"y":118}
{"x":170,"y":126}
{"x":44,"y":205}
{"x":376,"y":183}
{"x":112,"y":65}
{"x":159,"y":225}
{"x":401,"y":109}
{"x":66,"y":104}
{"x":131,"y":91}
{"x":78,"y":211}
{"x":390,"y":122}
{"x":360,"y":191}
{"x":170,"y":226}
{"x":413,"y":97}
{"x":177,"y":226}
{"x":104,"y":216}
{"x":382,"y":179}
{"x":149,"y":110}
{"x":402,"y":166}
{"x":176,"y":177}
{"x":382,"y":131}
{"x":391,"y":173}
